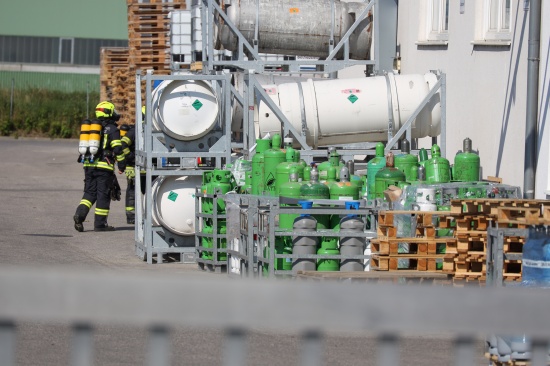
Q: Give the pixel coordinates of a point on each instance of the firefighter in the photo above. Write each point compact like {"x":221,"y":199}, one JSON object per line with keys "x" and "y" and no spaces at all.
{"x":128,"y":133}
{"x":99,"y":170}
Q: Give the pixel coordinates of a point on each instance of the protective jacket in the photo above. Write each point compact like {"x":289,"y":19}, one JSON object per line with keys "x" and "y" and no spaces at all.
{"x":128,"y":146}
{"x":111,"y":148}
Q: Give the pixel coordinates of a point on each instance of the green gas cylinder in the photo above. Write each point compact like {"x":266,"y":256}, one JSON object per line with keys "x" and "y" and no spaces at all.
{"x":331,"y":177}
{"x":438,"y":169}
{"x":221,"y":182}
{"x":422,"y":156}
{"x":307,"y":173}
{"x":290,"y":189}
{"x":406,"y":161}
{"x":206,"y":203}
{"x":387,"y":176}
{"x":343,"y":190}
{"x":208,"y":242}
{"x":258,"y":166}
{"x":333,"y":160}
{"x":315,"y":190}
{"x":373,"y":166}
{"x":272,"y":158}
{"x":282,"y":172}
{"x":326,"y":265}
{"x":466,"y":164}
{"x":247,"y":188}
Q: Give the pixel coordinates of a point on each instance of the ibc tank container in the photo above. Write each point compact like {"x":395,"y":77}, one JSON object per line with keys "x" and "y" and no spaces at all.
{"x":344,"y":111}
{"x":297,"y":27}
{"x":174,"y":203}
{"x":184,"y":109}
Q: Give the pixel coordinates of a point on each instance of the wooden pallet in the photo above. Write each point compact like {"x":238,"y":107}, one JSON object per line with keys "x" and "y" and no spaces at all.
{"x":495,"y":362}
{"x":390,"y":246}
{"x":416,"y":262}
{"x":490,"y":206}
{"x":522,"y":216}
{"x":401,"y":276}
{"x":473,"y":223}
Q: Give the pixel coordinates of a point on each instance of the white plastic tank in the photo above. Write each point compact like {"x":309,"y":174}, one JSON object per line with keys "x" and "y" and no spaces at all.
{"x":174,"y":203}
{"x":353,"y":110}
{"x":184,"y":109}
{"x":297,"y":27}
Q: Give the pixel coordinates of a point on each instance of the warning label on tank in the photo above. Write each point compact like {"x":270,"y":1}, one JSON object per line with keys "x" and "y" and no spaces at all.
{"x":172,"y":196}
{"x":353,"y":98}
{"x":350,"y":91}
{"x":294,"y":10}
{"x":197,"y":104}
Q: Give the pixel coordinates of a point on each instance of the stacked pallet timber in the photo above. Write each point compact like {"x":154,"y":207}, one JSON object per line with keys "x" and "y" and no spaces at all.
{"x":149,"y":41}
{"x":473,"y":216}
{"x":416,"y":248}
{"x":114,"y":77}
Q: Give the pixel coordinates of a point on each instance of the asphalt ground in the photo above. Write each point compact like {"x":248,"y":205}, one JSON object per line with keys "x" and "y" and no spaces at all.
{"x":41,"y":185}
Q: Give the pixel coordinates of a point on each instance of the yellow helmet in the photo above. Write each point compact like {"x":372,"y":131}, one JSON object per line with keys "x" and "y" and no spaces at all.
{"x":105,"y":110}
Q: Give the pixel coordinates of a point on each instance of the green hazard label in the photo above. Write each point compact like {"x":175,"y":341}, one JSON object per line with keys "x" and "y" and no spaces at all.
{"x":172,"y":196}
{"x":197,"y":104}
{"x":352,"y":98}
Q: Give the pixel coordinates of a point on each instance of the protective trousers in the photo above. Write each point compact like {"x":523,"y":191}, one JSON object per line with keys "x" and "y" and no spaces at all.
{"x":130,"y":201}
{"x":97,"y":189}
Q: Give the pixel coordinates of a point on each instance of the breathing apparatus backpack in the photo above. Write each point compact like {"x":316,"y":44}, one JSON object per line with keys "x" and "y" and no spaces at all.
{"x":91,"y":134}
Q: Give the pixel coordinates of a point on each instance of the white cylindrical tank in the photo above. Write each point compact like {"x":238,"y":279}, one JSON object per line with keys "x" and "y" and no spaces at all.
{"x":297,"y":27}
{"x":352,"y":110}
{"x":184,"y":109}
{"x":174,"y":203}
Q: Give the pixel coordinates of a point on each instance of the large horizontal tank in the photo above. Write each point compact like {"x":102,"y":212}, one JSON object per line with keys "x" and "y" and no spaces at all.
{"x":352,"y":110}
{"x":297,"y":27}
{"x":174,"y":203}
{"x":262,"y":79}
{"x":184,"y":109}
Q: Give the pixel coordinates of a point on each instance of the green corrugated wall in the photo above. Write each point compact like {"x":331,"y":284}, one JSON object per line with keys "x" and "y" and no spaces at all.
{"x":102,"y":19}
{"x":52,"y":81}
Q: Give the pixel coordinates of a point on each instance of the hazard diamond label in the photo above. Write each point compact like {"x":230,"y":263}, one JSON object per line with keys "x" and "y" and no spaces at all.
{"x":197,"y":104}
{"x":353,"y":98}
{"x":172,"y":196}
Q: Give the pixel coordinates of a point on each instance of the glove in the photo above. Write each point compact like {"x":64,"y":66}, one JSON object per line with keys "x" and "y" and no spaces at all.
{"x":115,"y":190}
{"x":130,"y":172}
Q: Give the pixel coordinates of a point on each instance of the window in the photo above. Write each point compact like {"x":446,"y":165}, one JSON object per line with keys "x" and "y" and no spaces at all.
{"x":497,"y":20}
{"x":434,"y":23}
{"x":66,"y":50}
{"x":438,"y":20}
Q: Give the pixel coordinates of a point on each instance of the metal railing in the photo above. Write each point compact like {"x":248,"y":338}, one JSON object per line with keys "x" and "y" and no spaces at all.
{"x":85,"y":299}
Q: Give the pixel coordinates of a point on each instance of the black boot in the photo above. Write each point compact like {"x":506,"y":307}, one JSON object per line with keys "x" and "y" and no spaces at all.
{"x":78,"y":223}
{"x":104,"y":228}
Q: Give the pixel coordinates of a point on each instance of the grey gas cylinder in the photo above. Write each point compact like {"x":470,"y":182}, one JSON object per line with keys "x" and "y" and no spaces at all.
{"x":303,"y":245}
{"x":350,"y":245}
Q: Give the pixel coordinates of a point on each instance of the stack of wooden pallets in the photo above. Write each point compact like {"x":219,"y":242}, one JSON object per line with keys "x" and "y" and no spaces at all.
{"x":149,"y":48}
{"x":421,"y":249}
{"x":149,"y":41}
{"x":473,"y":216}
{"x":464,"y":254}
{"x":114,"y":76}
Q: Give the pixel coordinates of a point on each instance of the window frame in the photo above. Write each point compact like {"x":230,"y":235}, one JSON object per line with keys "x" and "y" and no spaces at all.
{"x":492,"y":32}
{"x":440,"y":34}
{"x":62,"y":40}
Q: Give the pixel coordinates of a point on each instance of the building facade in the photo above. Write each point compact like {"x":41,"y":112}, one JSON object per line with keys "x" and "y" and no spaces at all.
{"x":482,"y":47}
{"x":43,"y":41}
